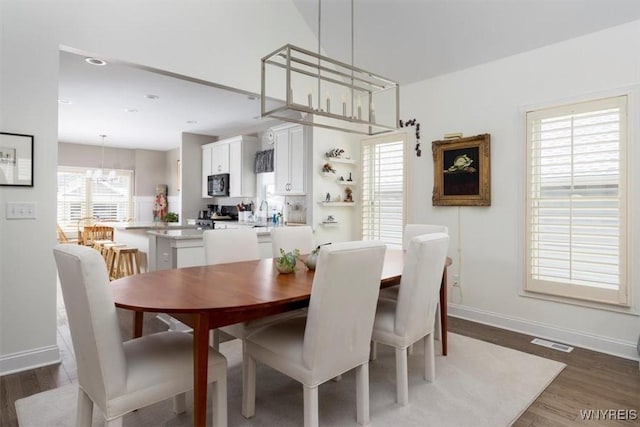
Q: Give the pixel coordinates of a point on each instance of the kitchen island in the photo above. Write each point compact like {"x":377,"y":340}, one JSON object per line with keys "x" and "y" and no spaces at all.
{"x":175,"y":248}
{"x":134,"y":234}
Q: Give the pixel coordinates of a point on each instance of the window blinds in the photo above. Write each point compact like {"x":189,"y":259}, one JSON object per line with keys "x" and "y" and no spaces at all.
{"x":80,"y":197}
{"x":576,"y":209}
{"x":383,"y":190}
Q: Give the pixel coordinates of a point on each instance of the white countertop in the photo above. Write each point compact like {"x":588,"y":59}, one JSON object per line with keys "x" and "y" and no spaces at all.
{"x":183,"y":234}
{"x":149,"y":225}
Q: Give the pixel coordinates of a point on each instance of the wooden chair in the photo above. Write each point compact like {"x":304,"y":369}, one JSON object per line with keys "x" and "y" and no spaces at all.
{"x":94,"y":233}
{"x":62,"y":237}
{"x":82,"y":223}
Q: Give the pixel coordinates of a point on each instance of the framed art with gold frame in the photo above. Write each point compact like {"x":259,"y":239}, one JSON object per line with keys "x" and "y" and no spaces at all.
{"x":462,"y":171}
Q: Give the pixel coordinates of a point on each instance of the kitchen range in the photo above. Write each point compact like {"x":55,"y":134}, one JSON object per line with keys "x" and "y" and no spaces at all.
{"x":207,"y":218}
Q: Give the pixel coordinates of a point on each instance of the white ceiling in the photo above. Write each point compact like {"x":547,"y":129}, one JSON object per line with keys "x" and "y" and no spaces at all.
{"x":405,"y":40}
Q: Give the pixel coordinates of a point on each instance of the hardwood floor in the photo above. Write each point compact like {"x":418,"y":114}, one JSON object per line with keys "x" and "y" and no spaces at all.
{"x":591,"y":380}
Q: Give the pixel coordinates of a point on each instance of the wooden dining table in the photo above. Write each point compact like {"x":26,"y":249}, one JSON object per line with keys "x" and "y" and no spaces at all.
{"x":211,"y":296}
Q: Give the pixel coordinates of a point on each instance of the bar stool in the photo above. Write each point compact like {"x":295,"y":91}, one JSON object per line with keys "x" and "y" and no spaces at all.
{"x":98,"y":245}
{"x":109,"y":256}
{"x":124,"y":261}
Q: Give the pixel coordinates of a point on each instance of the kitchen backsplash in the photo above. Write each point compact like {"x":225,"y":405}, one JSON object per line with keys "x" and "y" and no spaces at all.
{"x":296,"y":209}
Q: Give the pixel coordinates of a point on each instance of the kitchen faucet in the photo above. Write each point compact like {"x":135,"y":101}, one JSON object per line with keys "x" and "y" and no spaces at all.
{"x":266,"y":215}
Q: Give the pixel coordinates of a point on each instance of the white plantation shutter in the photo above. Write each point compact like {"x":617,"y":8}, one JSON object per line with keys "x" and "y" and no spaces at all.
{"x":383,"y":189}
{"x":81,"y":197}
{"x":576,"y":210}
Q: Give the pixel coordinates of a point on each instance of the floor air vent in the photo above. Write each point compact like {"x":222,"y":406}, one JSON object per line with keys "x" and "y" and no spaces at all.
{"x":553,"y":345}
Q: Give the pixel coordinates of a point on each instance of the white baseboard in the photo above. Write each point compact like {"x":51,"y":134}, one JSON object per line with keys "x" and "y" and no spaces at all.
{"x":22,"y":361}
{"x":626,"y":350}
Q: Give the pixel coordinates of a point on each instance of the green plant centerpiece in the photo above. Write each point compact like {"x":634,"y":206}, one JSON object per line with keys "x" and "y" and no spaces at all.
{"x":287,"y":261}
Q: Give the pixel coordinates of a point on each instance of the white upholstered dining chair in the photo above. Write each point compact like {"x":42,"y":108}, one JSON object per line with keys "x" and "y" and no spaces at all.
{"x":230,"y":245}
{"x":400,"y":323}
{"x":411,"y":231}
{"x":290,"y":238}
{"x":122,"y":377}
{"x":236,"y":245}
{"x":334,"y":337}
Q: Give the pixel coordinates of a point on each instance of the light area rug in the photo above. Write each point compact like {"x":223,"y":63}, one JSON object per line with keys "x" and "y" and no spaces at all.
{"x":477,"y":384}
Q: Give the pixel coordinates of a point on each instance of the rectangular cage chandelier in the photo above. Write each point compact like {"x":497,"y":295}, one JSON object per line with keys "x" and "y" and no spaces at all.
{"x":304,"y":87}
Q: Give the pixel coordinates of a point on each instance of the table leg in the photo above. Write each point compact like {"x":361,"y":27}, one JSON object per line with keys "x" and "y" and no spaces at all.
{"x":200,"y":366}
{"x":138,"y":317}
{"x":443,"y":312}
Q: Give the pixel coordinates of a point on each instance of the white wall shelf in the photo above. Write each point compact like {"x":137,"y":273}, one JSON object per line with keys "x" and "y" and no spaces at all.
{"x":350,"y":204}
{"x":347,"y":182}
{"x":340,"y":160}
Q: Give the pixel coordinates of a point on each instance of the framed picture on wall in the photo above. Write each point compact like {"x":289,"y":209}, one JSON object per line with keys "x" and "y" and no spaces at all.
{"x":462,"y":172}
{"x":16,"y":159}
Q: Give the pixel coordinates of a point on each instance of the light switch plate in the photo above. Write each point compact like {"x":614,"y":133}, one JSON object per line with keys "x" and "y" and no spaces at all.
{"x":21,"y":210}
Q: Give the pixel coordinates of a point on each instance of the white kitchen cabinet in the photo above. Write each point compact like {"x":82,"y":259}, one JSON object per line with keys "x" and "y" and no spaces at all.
{"x":242,"y":177}
{"x":220,"y":157}
{"x":235,"y":156}
{"x":206,"y":168}
{"x":290,"y":157}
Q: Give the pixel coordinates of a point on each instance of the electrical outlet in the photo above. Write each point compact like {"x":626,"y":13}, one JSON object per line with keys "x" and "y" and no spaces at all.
{"x":456,"y":280}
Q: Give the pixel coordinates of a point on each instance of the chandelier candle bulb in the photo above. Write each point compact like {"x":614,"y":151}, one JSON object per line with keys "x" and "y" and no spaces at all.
{"x":344,"y":108}
{"x":328,"y":104}
{"x":359,"y":112}
{"x":310,"y":100}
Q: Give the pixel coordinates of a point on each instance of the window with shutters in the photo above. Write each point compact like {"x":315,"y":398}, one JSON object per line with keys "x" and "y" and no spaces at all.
{"x":383,"y":188}
{"x":80,"y":196}
{"x":576,"y":201}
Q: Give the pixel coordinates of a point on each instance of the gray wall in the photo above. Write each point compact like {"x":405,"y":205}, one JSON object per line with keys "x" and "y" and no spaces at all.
{"x":81,"y":155}
{"x":192,"y":200}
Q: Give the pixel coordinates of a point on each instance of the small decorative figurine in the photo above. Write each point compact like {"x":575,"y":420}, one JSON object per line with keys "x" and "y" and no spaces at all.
{"x":349,"y":177}
{"x":328,"y":168}
{"x":327,"y":198}
{"x":336,"y":152}
{"x":349,"y":196}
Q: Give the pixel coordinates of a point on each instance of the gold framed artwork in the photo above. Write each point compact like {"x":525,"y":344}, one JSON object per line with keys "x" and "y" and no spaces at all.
{"x":462,"y":171}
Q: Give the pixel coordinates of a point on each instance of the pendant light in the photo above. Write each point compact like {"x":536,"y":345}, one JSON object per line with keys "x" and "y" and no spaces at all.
{"x":301,"y":86}
{"x":98,"y":175}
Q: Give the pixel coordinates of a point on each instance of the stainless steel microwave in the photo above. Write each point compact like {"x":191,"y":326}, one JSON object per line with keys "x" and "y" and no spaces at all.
{"x":218,"y":185}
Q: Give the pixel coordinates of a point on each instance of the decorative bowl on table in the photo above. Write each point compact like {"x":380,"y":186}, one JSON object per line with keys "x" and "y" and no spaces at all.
{"x":286,"y":263}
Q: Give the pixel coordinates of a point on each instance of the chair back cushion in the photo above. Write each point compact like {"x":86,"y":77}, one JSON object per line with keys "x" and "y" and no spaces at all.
{"x":420,"y":285}
{"x":342,"y":306}
{"x":413,"y":230}
{"x":290,"y":238}
{"x":230,"y":245}
{"x":93,"y":321}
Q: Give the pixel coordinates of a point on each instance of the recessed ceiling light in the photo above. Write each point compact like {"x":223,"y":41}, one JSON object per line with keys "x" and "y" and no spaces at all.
{"x":151,"y":96}
{"x":96,"y":61}
{"x":130,"y":110}
{"x":64,"y":101}
{"x":192,"y":122}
